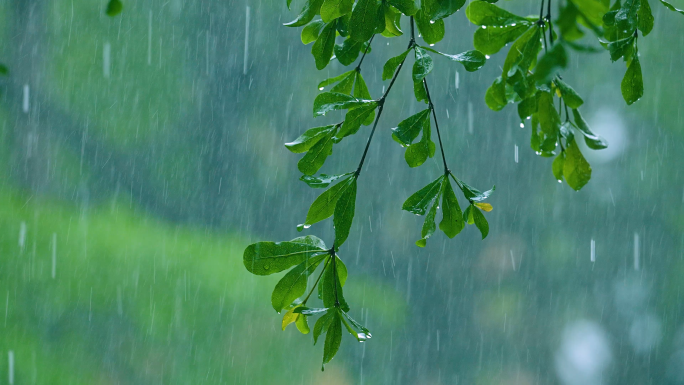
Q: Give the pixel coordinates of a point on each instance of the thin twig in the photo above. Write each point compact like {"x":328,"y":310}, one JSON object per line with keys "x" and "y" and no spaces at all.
{"x":381,"y":102}
{"x":434,"y":116}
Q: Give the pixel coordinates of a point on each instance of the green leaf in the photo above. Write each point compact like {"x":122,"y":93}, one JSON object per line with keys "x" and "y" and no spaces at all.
{"x":323,"y":323}
{"x":328,"y":282}
{"x":348,"y":51}
{"x":632,"y":85}
{"x":592,"y":140}
{"x":419,"y":201}
{"x":496,"y":95}
{"x":4,"y":71}
{"x":355,"y":118}
{"x":322,"y":181}
{"x":322,"y":50}
{"x":671,"y":7}
{"x":293,"y":284}
{"x":344,"y":213}
{"x":527,"y":107}
{"x":364,"y":20}
{"x":392,"y":64}
{"x":429,"y":226}
{"x":324,"y":206}
{"x":570,"y":97}
{"x":626,"y":17}
{"x":114,"y":7}
{"x":314,"y":159}
{"x":264,"y":258}
{"x":309,"y":138}
{"x":471,"y":60}
{"x":619,"y":48}
{"x":452,"y":217}
{"x":420,"y":92}
{"x":645,"y":18}
{"x":330,"y":101}
{"x":423,"y":64}
{"x":407,"y":7}
{"x":360,"y":88}
{"x":354,"y":328}
{"x":333,"y":338}
{"x":557,"y":166}
{"x":441,"y":9}
{"x":480,"y":221}
{"x":416,"y":154}
{"x":392,"y":20}
{"x":335,"y":79}
{"x":310,"y":240}
{"x":332,"y":9}
{"x":302,"y":324}
{"x":550,"y":64}
{"x":311,"y":9}
{"x":576,"y":169}
{"x":548,"y":116}
{"x":472,"y":194}
{"x":311,"y":32}
{"x":431,"y":31}
{"x":490,"y":40}
{"x":346,"y":85}
{"x":484,"y":13}
{"x":409,"y":128}
{"x":523,"y":52}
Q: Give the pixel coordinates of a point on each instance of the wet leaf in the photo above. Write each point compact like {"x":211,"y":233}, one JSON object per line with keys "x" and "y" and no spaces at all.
{"x":392,"y":64}
{"x":344,"y":213}
{"x":332,"y":9}
{"x":264,"y":258}
{"x":576,"y":169}
{"x":364,"y":20}
{"x":419,"y":201}
{"x":309,"y":138}
{"x":322,"y":50}
{"x":293,"y":284}
{"x":324,"y":206}
{"x":423,"y":64}
{"x":632,"y":85}
{"x":452,"y":217}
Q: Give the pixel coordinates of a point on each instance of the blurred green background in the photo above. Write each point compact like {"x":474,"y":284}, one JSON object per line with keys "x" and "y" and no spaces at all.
{"x":140,"y":155}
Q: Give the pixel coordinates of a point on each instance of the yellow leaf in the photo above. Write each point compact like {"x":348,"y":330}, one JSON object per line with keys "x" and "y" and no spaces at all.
{"x":290,"y":317}
{"x":484,"y":206}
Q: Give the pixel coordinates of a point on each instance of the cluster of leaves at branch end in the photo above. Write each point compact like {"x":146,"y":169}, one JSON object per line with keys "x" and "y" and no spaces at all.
{"x":303,"y":256}
{"x":426,"y":201}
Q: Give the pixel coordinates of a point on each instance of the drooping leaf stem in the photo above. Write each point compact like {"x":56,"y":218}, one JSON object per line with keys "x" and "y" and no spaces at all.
{"x":358,"y":66}
{"x":431,"y":106}
{"x":548,"y":19}
{"x":317,"y":280}
{"x":381,"y":102}
{"x":333,"y":257}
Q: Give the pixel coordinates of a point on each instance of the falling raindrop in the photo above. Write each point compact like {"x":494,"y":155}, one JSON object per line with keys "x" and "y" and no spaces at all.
{"x":106,"y":55}
{"x":636,"y":252}
{"x":516,"y":153}
{"x":54,"y":255}
{"x":593,"y":251}
{"x":10,"y":367}
{"x":22,"y":236}
{"x":25,"y":104}
{"x":246,"y":56}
